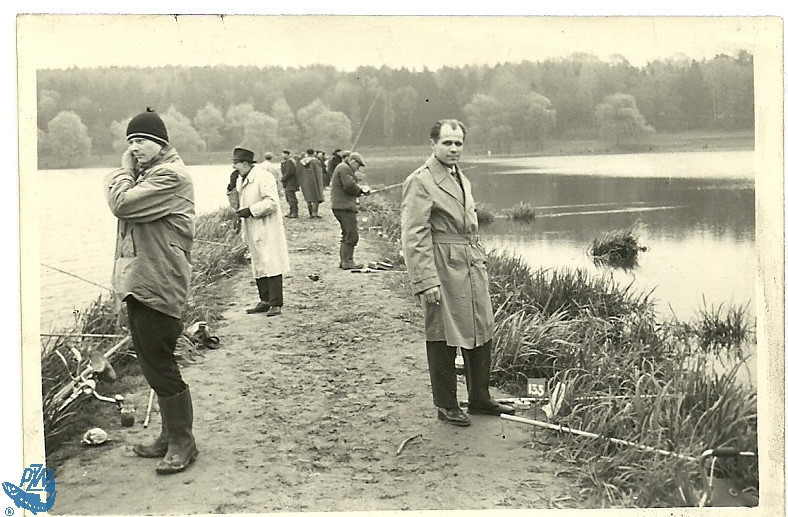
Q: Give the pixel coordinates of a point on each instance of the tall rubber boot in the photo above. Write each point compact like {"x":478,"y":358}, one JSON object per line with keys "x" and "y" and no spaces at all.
{"x":182,"y":450}
{"x":477,"y":375}
{"x":347,"y":261}
{"x":158,"y":448}
{"x":342,"y":254}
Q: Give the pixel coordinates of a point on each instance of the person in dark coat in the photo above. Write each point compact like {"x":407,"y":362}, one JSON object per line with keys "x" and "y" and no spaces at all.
{"x":332,"y":163}
{"x":310,"y":180}
{"x":344,"y":191}
{"x":321,"y":159}
{"x":290,"y":183}
{"x":447,"y":271}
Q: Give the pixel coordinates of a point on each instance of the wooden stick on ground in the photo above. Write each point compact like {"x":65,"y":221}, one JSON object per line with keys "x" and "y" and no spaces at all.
{"x":405,"y":442}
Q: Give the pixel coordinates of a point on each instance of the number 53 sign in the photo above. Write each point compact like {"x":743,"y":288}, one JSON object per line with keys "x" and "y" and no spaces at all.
{"x":536,"y":388}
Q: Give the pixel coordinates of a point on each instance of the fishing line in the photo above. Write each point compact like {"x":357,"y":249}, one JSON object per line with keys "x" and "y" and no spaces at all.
{"x":76,"y":276}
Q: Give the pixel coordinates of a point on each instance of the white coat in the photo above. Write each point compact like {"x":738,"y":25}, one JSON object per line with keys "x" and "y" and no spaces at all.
{"x":264,"y":232}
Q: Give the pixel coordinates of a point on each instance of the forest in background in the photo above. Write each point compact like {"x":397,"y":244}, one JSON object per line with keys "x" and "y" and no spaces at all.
{"x":511,"y":107}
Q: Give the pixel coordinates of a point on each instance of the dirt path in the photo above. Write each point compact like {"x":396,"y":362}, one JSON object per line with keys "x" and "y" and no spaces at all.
{"x":305,"y":411}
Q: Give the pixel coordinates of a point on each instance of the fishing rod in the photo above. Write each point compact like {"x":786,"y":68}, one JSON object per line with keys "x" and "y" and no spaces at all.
{"x":353,"y":147}
{"x":587,"y":434}
{"x":383,"y":189}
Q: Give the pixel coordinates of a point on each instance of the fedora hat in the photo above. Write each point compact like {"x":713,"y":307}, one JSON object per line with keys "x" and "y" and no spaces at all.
{"x":243,"y":155}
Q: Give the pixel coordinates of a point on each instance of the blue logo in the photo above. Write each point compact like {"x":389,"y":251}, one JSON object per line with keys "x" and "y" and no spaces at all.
{"x":36,"y":490}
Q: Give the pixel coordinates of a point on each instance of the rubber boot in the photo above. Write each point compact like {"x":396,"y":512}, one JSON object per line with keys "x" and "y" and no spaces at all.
{"x":347,"y":261}
{"x":477,"y":375}
{"x":158,"y":448}
{"x":182,"y":449}
{"x":309,"y":207}
{"x":342,"y":256}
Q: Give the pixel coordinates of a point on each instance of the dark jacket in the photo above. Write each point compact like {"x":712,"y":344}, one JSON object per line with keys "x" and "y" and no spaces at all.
{"x":289,"y":179}
{"x":344,"y":188}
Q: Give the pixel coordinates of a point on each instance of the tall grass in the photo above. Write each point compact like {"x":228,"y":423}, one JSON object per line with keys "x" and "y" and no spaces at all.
{"x":629,"y":376}
{"x":217,"y":252}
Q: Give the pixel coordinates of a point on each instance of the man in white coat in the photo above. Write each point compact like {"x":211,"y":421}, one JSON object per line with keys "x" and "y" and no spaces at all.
{"x":446,"y":266}
{"x":252,"y":193}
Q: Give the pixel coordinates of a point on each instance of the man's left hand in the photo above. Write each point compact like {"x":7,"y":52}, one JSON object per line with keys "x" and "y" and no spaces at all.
{"x":243,"y":212}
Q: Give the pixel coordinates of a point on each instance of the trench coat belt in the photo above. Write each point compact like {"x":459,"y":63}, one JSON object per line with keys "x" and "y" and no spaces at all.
{"x":455,"y":238}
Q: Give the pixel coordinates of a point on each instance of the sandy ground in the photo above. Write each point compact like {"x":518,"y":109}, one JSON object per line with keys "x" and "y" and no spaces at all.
{"x":305,"y":412}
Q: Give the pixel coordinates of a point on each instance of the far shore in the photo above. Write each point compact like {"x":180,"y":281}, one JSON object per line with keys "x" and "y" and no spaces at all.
{"x":660,"y":143}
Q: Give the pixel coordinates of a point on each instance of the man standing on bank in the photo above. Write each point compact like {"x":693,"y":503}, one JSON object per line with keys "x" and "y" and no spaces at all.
{"x":446,"y":266}
{"x":152,"y":196}
{"x":344,"y":191}
{"x":290,"y":183}
{"x":252,"y":194}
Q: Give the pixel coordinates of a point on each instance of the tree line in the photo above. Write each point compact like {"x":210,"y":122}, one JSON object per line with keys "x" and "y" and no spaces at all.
{"x":511,"y":106}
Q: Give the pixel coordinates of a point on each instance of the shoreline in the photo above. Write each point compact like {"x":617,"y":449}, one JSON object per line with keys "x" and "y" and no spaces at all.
{"x":309,"y":409}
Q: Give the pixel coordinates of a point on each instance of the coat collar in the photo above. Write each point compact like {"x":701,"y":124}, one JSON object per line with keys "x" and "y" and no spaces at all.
{"x":249,"y":177}
{"x":440,"y":173}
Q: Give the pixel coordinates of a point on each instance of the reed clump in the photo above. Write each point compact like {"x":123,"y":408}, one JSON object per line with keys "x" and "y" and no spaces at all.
{"x":217,"y":253}
{"x":618,"y":249}
{"x":522,"y":212}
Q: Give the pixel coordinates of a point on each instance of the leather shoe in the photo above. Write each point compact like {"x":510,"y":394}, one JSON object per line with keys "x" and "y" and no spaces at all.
{"x":274,"y":311}
{"x":491,"y":408}
{"x":454,"y":416}
{"x":260,"y":307}
{"x":292,"y":216}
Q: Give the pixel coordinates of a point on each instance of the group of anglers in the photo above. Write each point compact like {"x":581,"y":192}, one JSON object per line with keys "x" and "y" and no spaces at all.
{"x":310,"y":172}
{"x":152,"y":196}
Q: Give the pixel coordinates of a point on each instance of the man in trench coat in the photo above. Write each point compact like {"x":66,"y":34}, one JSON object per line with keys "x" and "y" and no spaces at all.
{"x":252,"y":193}
{"x":310,"y":179}
{"x":447,"y":271}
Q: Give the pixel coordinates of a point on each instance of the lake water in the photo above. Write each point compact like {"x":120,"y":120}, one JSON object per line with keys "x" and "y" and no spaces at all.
{"x":695,"y":212}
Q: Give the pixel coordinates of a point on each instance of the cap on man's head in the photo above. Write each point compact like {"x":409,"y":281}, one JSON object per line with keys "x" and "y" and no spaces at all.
{"x":148,"y":125}
{"x":243,"y":155}
{"x":285,"y":151}
{"x":357,"y":157}
{"x":344,"y":154}
{"x":269,"y":155}
{"x":310,"y":152}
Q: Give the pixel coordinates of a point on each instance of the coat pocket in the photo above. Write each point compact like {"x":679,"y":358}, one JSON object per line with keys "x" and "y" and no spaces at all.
{"x":122,"y":274}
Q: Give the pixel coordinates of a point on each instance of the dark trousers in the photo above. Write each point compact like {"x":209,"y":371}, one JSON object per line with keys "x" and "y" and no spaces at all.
{"x":154,"y":335}
{"x":270,"y":290}
{"x":349,"y":224}
{"x":292,"y":201}
{"x":443,"y":379}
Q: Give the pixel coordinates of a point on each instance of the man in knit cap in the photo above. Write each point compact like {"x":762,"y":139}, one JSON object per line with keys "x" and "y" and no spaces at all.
{"x":152,"y":196}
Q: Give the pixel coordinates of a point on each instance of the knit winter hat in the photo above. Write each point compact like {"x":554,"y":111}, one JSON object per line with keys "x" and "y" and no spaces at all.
{"x":148,"y":125}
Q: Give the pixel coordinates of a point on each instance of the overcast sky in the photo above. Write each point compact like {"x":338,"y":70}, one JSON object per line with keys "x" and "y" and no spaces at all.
{"x":345,"y":42}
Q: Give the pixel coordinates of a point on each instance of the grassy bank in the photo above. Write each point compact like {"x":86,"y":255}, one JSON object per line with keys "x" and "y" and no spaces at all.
{"x":627,"y":376}
{"x":218,"y":252}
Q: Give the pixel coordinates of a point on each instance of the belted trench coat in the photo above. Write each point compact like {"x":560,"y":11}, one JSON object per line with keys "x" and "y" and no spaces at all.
{"x":264,"y":232}
{"x":440,"y":244}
